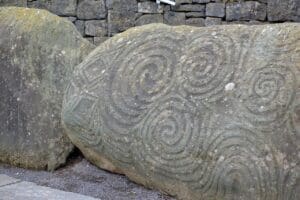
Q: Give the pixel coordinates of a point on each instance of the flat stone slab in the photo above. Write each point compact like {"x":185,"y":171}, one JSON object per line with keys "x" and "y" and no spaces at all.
{"x":6,"y":180}
{"x":200,"y":113}
{"x":31,"y":191}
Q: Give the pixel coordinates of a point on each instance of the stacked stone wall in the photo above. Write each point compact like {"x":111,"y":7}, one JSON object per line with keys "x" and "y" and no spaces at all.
{"x":97,"y":20}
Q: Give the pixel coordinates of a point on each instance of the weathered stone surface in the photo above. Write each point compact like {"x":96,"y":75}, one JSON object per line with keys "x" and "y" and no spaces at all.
{"x":149,"y":7}
{"x":64,"y":8}
{"x":121,"y":16}
{"x":98,"y":40}
{"x":91,"y":9}
{"x":194,"y":14}
{"x":80,"y":25}
{"x":200,"y":113}
{"x":215,"y":9}
{"x":183,"y":1}
{"x":96,"y":28}
{"x":201,"y":1}
{"x":288,"y":10}
{"x":249,"y":10}
{"x":71,"y":19}
{"x":174,"y":18}
{"x":59,"y":7}
{"x":148,"y":19}
{"x":37,"y":52}
{"x":13,"y":2}
{"x":210,"y":21}
{"x":195,"y":22}
{"x":190,"y":7}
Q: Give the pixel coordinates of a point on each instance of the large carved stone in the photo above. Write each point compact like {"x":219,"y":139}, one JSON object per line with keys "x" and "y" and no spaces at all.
{"x":37,"y":52}
{"x":200,"y":113}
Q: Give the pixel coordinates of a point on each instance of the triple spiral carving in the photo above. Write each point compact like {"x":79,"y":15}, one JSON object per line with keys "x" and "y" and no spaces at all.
{"x":152,"y":105}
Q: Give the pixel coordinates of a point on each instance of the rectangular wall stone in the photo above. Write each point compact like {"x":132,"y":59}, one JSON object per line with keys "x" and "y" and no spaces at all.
{"x":91,"y":9}
{"x":215,"y":10}
{"x":250,"y":10}
{"x":149,"y":7}
{"x":121,"y":16}
{"x":287,"y":10}
{"x":22,"y":3}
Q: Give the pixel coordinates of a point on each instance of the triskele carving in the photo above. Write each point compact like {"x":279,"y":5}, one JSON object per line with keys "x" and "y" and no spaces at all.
{"x":194,"y":109}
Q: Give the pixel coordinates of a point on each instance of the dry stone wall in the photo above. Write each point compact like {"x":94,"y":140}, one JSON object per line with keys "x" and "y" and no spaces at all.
{"x":99,"y":19}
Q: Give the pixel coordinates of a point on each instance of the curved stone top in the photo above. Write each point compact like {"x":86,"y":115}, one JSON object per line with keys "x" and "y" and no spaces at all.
{"x":38,"y":52}
{"x":201,"y":113}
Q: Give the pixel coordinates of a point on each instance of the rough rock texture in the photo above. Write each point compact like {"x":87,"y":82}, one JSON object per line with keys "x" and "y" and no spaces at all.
{"x":37,"y":52}
{"x":249,"y":10}
{"x":200,"y":113}
{"x":123,"y":14}
{"x":288,"y":10}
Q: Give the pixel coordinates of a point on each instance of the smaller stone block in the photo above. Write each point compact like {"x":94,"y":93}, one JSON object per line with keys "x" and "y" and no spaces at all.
{"x":249,"y":10}
{"x":121,"y":16}
{"x":64,"y":8}
{"x":88,"y":9}
{"x":215,"y":10}
{"x":189,"y":8}
{"x":22,"y":3}
{"x":149,"y":7}
{"x":148,"y":19}
{"x":99,"y":40}
{"x":183,"y":1}
{"x":39,"y":4}
{"x":194,"y":14}
{"x":201,"y":1}
{"x":211,"y":21}
{"x":174,"y":18}
{"x":80,"y":26}
{"x":96,"y":28}
{"x":287,"y":10}
{"x":71,"y":19}
{"x":195,"y":22}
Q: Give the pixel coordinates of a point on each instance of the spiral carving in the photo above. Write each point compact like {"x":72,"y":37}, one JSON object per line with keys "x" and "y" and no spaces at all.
{"x":141,"y":74}
{"x":187,"y":110}
{"x":239,"y":164}
{"x":170,"y":140}
{"x":266,"y":95}
{"x":208,"y":66}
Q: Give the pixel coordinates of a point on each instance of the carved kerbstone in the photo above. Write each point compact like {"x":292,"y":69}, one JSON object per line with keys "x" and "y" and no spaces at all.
{"x":38,"y":51}
{"x":200,"y":113}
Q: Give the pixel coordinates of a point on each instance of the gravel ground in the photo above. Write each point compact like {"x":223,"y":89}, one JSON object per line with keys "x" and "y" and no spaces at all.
{"x":80,"y":176}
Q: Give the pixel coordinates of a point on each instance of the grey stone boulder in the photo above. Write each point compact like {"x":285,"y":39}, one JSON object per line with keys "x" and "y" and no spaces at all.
{"x":199,"y":113}
{"x":38,"y":51}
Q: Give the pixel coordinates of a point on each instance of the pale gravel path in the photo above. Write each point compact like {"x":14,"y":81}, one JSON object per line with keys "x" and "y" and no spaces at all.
{"x":79,"y":176}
